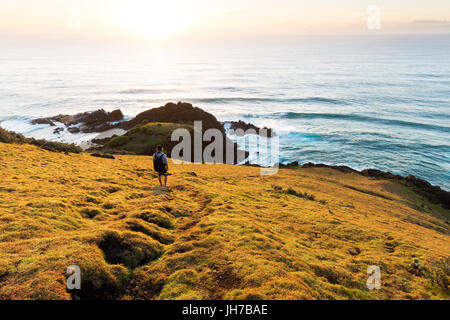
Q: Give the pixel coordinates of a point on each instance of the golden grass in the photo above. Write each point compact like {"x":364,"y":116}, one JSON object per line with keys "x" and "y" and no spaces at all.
{"x":226,"y":233}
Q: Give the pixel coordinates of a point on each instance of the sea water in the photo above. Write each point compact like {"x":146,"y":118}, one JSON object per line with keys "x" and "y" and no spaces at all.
{"x":367,"y":102}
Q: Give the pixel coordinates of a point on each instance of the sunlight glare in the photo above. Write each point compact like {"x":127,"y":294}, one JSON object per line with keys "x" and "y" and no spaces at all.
{"x":152,"y":18}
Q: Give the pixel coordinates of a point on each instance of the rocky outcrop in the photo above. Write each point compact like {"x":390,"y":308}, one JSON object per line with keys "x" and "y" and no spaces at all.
{"x":175,"y":113}
{"x":179,"y":113}
{"x":58,"y":130}
{"x":100,"y":120}
{"x":43,"y":121}
{"x":343,"y":169}
{"x":103,"y":141}
{"x":374,"y":173}
{"x":86,"y":122}
{"x":289,"y":165}
{"x":246,"y":127}
{"x":115,"y":115}
{"x":185,"y":114}
{"x":143,"y":140}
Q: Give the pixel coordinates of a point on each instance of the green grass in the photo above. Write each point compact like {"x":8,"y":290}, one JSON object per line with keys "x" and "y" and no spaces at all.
{"x":143,"y":139}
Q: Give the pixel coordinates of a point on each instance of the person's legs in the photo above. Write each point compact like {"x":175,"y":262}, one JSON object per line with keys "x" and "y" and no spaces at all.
{"x":165,"y":180}
{"x":160,"y":180}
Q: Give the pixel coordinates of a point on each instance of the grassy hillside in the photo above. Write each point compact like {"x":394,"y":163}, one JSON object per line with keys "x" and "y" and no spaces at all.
{"x":143,"y":138}
{"x":220,"y":232}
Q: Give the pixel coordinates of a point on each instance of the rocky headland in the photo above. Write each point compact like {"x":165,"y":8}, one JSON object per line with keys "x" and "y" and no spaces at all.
{"x":155,"y":126}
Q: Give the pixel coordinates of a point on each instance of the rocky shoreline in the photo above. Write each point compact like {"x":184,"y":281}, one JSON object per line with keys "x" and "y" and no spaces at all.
{"x":241,"y":128}
{"x":86,"y":122}
{"x":101,"y":121}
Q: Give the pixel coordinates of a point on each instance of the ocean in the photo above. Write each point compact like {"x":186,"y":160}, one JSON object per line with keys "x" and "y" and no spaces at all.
{"x":378,"y":102}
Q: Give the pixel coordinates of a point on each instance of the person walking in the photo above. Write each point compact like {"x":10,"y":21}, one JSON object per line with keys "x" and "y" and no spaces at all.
{"x":161,"y":165}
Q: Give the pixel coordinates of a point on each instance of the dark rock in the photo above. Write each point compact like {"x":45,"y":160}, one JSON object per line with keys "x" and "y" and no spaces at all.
{"x":115,"y":115}
{"x":103,"y":141}
{"x":43,"y":121}
{"x":58,"y":130}
{"x":90,"y":128}
{"x":90,"y":118}
{"x":143,"y":139}
{"x":185,"y":113}
{"x":237,"y":125}
{"x":74,"y":129}
{"x":343,"y":169}
{"x":105,"y":156}
{"x":289,"y":165}
{"x":373,"y":173}
{"x":182,"y":113}
{"x":95,"y":121}
{"x":176,"y":113}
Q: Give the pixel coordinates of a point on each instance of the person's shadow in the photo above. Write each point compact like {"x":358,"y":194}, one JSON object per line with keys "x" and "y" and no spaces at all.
{"x":158,"y":190}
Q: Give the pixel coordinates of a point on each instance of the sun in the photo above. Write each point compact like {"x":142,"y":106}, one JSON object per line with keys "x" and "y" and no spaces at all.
{"x":152,"y":18}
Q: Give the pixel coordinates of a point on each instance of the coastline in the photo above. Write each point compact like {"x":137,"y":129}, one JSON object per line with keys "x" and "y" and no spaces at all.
{"x":100,"y":126}
{"x":434,"y":194}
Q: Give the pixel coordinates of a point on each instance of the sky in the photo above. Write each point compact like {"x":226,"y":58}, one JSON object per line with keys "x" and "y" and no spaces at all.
{"x":231,"y":18}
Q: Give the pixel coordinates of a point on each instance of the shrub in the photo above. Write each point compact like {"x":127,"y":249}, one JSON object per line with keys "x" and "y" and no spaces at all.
{"x":300,"y":194}
{"x":55,"y":146}
{"x":292,"y":192}
{"x":11,"y":137}
{"x":440,"y":275}
{"x":309,"y":196}
{"x":14,"y":137}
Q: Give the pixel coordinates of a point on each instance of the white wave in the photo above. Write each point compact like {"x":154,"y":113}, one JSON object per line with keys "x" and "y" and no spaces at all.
{"x":24,"y":126}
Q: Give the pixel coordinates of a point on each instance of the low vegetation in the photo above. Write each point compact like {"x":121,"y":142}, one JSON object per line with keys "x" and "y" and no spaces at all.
{"x":143,"y":139}
{"x":219,"y":232}
{"x":13,"y":137}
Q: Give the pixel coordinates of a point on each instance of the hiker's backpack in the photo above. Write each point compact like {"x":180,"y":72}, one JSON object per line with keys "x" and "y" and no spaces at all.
{"x":159,"y":163}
